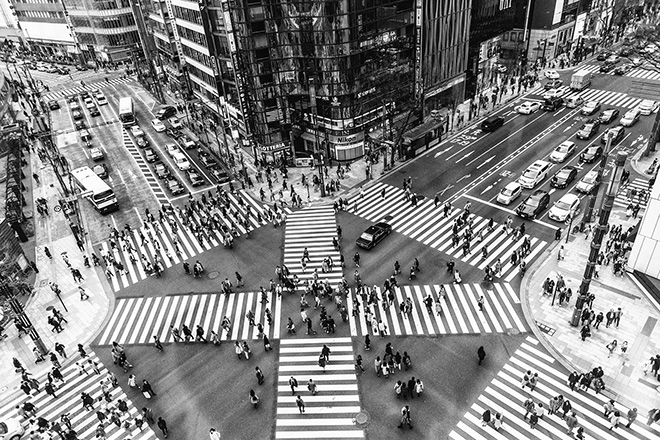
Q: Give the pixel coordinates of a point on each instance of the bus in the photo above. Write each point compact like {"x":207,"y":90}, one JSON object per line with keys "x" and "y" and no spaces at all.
{"x":94,"y":189}
{"x":126,"y":112}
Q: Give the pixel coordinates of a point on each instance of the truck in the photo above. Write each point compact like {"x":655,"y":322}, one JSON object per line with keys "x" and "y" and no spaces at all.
{"x":581,"y":80}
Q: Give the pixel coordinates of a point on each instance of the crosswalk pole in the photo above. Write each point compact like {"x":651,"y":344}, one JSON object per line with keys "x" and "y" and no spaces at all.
{"x":588,"y":212}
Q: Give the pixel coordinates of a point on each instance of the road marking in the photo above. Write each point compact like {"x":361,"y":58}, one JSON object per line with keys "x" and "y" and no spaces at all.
{"x":486,"y":161}
{"x":440,"y":153}
{"x":488,"y":188}
{"x":464,"y":156}
{"x":467,"y":176}
{"x":445,"y":190}
{"x":509,"y":211}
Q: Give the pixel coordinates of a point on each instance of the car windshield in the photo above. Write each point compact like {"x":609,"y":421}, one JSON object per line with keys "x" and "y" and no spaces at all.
{"x":563,"y":205}
{"x":532,"y":202}
{"x":530,"y":174}
{"x":563,"y":174}
{"x":589,"y":179}
{"x":588,"y":126}
{"x":367,"y":237}
{"x":507,"y":192}
{"x":592,"y":150}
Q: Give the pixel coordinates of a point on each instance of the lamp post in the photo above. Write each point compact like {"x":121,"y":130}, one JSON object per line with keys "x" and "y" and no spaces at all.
{"x":20,"y":316}
{"x":588,"y":212}
{"x":570,"y":226}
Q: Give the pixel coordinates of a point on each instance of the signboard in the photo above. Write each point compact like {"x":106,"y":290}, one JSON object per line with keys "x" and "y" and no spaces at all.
{"x":419,"y":82}
{"x":559,"y":8}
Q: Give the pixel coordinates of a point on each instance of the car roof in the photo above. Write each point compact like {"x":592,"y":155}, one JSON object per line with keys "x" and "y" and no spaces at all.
{"x":566,"y":144}
{"x":568,"y":198}
{"x":538,"y":194}
{"x":382,"y":225}
{"x":512,"y":185}
{"x":539,"y":163}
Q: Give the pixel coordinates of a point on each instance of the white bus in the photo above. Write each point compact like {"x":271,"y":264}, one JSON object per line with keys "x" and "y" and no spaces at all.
{"x":126,"y":112}
{"x":99,"y":194}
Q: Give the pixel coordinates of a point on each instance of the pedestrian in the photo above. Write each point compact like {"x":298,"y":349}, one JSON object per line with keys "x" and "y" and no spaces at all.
{"x":254,"y":399}
{"x":311,"y":386}
{"x":481,"y":353}
{"x":571,"y":422}
{"x":59,"y":348}
{"x":631,"y":416}
{"x":147,"y":390}
{"x":158,"y":344}
{"x":617,"y":316}
{"x":47,"y":252}
{"x":480,"y":302}
{"x":405,"y":417}
{"x":293,"y":383}
{"x":325,"y":351}
{"x":301,"y":404}
{"x":322,"y":361}
{"x":260,"y":375}
{"x":615,"y":417}
{"x":529,"y":406}
{"x":81,"y":350}
{"x":213,"y":434}
{"x":163,"y":426}
{"x":267,"y":345}
{"x":611,"y":347}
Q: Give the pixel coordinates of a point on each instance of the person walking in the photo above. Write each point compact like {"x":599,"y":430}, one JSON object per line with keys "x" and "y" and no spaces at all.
{"x":571,"y":422}
{"x":481,"y":353}
{"x":325,"y":351}
{"x":213,"y":434}
{"x":163,"y":426}
{"x":311,"y":386}
{"x":293,"y":383}
{"x":300,"y":403}
{"x":147,"y":390}
{"x":260,"y":375}
{"x":405,"y":417}
{"x":631,"y":416}
{"x":158,"y":344}
{"x":59,"y":348}
{"x":254,"y":399}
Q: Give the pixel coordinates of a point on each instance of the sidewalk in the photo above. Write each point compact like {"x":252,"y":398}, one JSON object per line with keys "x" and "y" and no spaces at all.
{"x":624,"y":378}
{"x":85,"y":317}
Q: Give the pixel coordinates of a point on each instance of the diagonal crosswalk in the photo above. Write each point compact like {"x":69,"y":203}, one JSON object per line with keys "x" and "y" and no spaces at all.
{"x":312,"y":228}
{"x":179,"y":236}
{"x":506,"y":396}
{"x":330,"y":413}
{"x":605,"y":97}
{"x":138,"y":320}
{"x":75,"y":90}
{"x":636,"y":72}
{"x":68,"y":400}
{"x":459,"y":311}
{"x":426,"y":224}
{"x":638,"y":186}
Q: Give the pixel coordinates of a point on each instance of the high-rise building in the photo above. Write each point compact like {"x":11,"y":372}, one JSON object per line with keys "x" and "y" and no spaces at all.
{"x":160,"y":25}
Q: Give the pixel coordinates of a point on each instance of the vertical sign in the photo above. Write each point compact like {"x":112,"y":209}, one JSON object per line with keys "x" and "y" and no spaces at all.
{"x":418,"y":50}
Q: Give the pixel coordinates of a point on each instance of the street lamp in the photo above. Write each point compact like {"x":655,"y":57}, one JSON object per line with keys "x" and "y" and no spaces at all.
{"x":588,"y":212}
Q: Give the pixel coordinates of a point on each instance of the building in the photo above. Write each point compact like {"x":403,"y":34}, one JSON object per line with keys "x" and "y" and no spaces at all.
{"x":644,"y":254}
{"x":7,"y":15}
{"x":160,"y":25}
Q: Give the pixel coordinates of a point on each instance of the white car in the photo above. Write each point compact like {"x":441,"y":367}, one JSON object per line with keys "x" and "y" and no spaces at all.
{"x":171,"y":149}
{"x":568,"y":205}
{"x":11,"y":429}
{"x":631,"y":117}
{"x":648,"y":106}
{"x":587,"y":184}
{"x":553,"y":93}
{"x":528,"y":107}
{"x":137,"y":131}
{"x":175,"y":122}
{"x":158,"y":125}
{"x":509,"y":193}
{"x":562,"y":151}
{"x":101,"y":99}
{"x":89,"y":103}
{"x":551,"y":74}
{"x":534,"y":174}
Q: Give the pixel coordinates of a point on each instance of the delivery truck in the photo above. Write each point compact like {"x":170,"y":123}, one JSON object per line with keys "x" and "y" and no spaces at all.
{"x":581,"y":80}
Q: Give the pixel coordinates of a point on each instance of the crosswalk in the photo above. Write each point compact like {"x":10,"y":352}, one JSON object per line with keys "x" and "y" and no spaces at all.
{"x":144,"y":167}
{"x":459,"y":312}
{"x":331,"y":412}
{"x":68,"y":400}
{"x":426,"y":224}
{"x":506,"y":396}
{"x":636,"y":72}
{"x":312,"y":228}
{"x":138,"y":320}
{"x":605,"y":97}
{"x":622,"y":199}
{"x":58,"y":94}
{"x":173,"y":247}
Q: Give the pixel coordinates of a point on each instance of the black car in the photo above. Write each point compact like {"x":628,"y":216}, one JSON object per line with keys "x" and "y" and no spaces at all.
{"x":603,"y":56}
{"x":373,"y":235}
{"x":588,"y":129}
{"x":607,"y":67}
{"x":208,"y":161}
{"x":53,"y":105}
{"x":80,"y":67}
{"x":623,"y":69}
{"x":194,"y":178}
{"x":553,"y":84}
{"x":84,"y":94}
{"x":534,"y":204}
{"x":608,"y":115}
{"x":141,"y":141}
{"x":618,"y":132}
{"x":564,"y":177}
{"x":552,"y":104}
{"x":79,"y":125}
{"x":220,"y":176}
{"x":94,"y":111}
{"x":162,"y":171}
{"x":150,"y":155}
{"x":492,"y":124}
{"x":101,"y":170}
{"x":591,"y":154}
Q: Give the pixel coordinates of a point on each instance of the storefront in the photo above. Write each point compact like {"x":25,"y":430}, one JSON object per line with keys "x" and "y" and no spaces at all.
{"x":275,"y":154}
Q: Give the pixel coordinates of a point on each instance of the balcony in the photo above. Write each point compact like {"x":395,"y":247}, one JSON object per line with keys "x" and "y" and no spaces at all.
{"x":101,"y":31}
{"x":99,"y":13}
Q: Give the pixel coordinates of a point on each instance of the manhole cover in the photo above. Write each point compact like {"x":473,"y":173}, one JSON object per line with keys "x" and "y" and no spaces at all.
{"x":361,"y":418}
{"x":49,"y":308}
{"x":3,"y":389}
{"x":214,"y":274}
{"x":439,"y":262}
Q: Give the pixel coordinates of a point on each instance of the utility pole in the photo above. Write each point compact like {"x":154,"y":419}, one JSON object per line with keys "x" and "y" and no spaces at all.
{"x":588,"y":212}
{"x":20,"y":316}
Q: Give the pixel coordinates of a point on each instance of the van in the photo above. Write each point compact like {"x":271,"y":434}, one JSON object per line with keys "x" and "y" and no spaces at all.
{"x":647,"y":107}
{"x":165,"y":112}
{"x":181,"y":161}
{"x":574,"y":102}
{"x":492,"y":124}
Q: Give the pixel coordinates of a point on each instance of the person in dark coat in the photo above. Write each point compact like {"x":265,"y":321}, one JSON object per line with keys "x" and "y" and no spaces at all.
{"x":481,"y":353}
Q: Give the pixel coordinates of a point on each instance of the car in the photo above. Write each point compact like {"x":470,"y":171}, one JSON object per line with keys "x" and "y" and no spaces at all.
{"x":534,"y":204}
{"x":564,"y":177}
{"x":509,"y":193}
{"x":574,"y":102}
{"x":63,"y":70}
{"x":161,"y":170}
{"x":181,"y":161}
{"x":79,"y":125}
{"x":89,"y":103}
{"x":602,"y":56}
{"x":551,"y":74}
{"x":187,"y":142}
{"x":175,"y":122}
{"x":101,"y":170}
{"x":534,"y":174}
{"x":373,"y":235}
{"x":11,"y":429}
{"x":590,"y":107}
{"x":625,"y":51}
{"x":208,"y":161}
{"x":150,"y":155}
{"x":553,"y":104}
{"x":630,"y":118}
{"x":141,"y":141}
{"x":636,"y":61}
{"x":158,"y":125}
{"x":553,"y":84}
{"x":77,"y":114}
{"x":80,"y":67}
{"x":94,"y":111}
{"x":591,"y":154}
{"x":71,"y":99}
{"x":528,"y":107}
{"x":84,"y":94}
{"x":53,"y":104}
{"x":614,"y":58}
{"x":171,"y":148}
{"x":101,"y":99}
{"x":74,"y":106}
{"x":137,"y":131}
{"x":175,"y":187}
{"x":587,"y":184}
{"x":623,"y":69}
{"x":618,"y":133}
{"x":85,"y":135}
{"x":607,"y":67}
{"x":553,"y":93}
{"x":492,"y":124}
{"x":648,"y":106}
{"x":195,"y":178}
{"x":96,"y":153}
{"x":608,"y":115}
{"x":588,"y":129}
{"x":562,"y":151}
{"x":220,"y":175}
{"x":567,"y":206}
